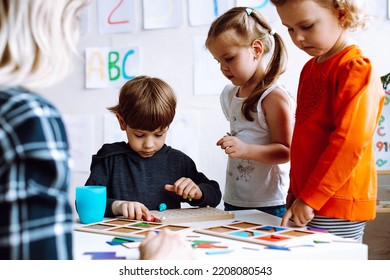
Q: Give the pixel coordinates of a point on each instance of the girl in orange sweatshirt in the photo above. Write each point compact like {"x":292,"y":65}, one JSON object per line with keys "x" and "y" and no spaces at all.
{"x":333,"y":181}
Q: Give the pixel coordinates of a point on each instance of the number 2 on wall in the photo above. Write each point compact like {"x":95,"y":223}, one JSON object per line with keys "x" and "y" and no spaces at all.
{"x":110,"y":21}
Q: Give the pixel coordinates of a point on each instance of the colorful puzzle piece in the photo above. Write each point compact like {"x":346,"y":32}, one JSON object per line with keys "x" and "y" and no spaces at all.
{"x":125,"y":228}
{"x":261,"y":234}
{"x":104,"y":256}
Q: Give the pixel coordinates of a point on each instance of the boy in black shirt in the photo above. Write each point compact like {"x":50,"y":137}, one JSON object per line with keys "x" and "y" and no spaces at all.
{"x":145,"y":172}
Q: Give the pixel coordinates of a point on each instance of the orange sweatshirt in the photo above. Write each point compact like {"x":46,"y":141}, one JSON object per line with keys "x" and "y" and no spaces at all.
{"x":339,"y":103}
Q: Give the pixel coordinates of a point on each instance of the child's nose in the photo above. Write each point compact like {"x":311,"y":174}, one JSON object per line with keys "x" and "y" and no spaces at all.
{"x":148,"y":144}
{"x":299,"y":37}
{"x":223,"y":67}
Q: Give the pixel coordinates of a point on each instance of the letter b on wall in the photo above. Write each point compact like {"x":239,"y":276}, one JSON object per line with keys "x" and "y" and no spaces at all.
{"x":106,"y":67}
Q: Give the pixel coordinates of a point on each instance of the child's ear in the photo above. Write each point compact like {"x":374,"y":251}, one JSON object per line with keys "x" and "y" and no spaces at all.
{"x":121,"y":121}
{"x":257,"y":47}
{"x":342,"y":17}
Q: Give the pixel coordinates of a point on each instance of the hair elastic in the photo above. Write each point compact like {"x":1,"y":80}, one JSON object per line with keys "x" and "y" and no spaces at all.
{"x":248,"y":11}
{"x":272,"y":32}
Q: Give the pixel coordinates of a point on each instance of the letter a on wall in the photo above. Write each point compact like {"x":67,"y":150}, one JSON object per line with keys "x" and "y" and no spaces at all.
{"x":110,"y":67}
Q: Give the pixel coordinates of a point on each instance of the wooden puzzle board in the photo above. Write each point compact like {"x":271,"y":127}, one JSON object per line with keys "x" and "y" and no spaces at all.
{"x":261,"y":234}
{"x":188,"y":215}
{"x":128,"y":228}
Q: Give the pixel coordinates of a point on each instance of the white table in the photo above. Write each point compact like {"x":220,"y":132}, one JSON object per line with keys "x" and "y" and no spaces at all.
{"x":91,"y":242}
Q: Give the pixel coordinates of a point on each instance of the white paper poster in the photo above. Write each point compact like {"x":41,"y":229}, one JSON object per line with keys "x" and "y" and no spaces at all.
{"x":81,"y":136}
{"x":158,"y":14}
{"x":203,"y":12}
{"x":208,"y":79}
{"x":116,"y":16}
{"x":110,"y":67}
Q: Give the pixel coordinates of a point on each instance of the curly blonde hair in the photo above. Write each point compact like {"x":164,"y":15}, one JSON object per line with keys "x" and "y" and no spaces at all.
{"x":355,"y":12}
{"x":37,"y":41}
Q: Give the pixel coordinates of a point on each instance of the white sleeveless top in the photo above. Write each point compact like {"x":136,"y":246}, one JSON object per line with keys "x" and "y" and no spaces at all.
{"x":251,"y":183}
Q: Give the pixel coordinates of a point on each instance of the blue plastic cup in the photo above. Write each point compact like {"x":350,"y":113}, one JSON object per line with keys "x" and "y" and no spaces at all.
{"x":91,"y":203}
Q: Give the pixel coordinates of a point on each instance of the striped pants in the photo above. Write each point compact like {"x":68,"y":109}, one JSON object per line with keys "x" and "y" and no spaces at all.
{"x":339,"y":227}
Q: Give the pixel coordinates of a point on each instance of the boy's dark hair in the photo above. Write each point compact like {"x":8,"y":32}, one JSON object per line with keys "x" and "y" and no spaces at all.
{"x":146,"y":103}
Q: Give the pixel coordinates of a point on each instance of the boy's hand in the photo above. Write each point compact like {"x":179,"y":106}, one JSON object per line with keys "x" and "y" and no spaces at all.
{"x":186,"y":188}
{"x":130,"y":209}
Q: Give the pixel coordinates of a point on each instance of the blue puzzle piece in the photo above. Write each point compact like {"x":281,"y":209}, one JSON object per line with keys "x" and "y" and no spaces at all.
{"x":104,"y":255}
{"x":271,"y":228}
{"x":275,"y":247}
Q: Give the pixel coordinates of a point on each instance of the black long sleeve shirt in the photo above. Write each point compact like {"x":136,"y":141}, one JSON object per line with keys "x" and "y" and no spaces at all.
{"x":131,"y":177}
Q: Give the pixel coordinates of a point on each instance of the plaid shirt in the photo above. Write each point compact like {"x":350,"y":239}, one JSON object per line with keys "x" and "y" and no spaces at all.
{"x":35,"y":214}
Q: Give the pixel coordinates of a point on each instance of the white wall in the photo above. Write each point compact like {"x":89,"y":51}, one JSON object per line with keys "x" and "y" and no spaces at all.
{"x":167,"y":54}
